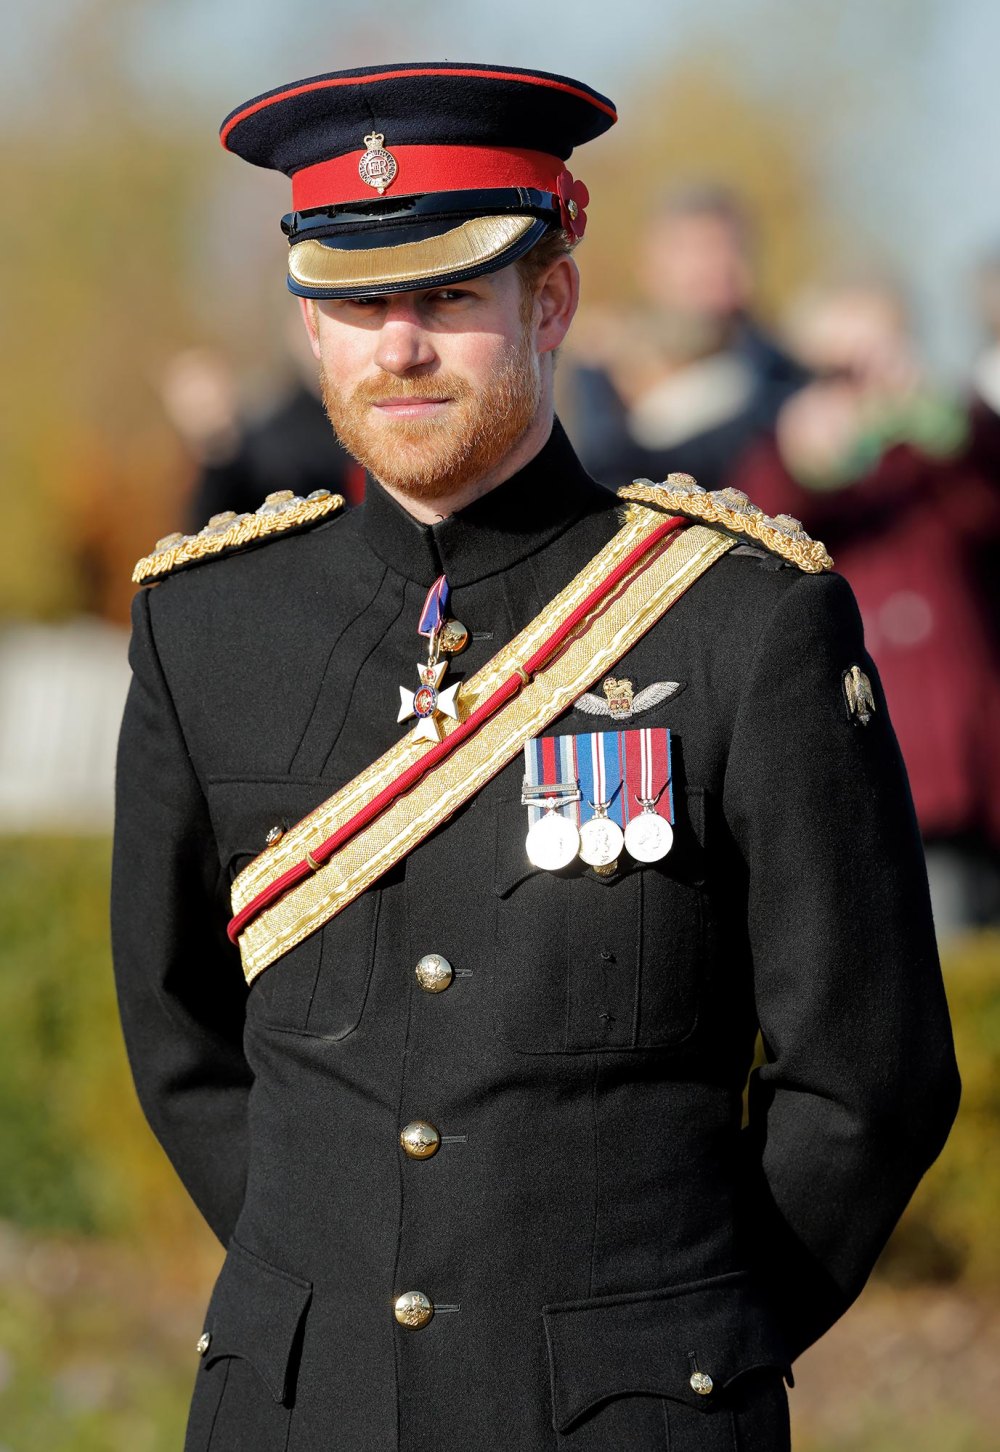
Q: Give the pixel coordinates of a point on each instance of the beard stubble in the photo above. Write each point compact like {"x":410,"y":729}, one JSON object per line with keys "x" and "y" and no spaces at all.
{"x":432,"y":458}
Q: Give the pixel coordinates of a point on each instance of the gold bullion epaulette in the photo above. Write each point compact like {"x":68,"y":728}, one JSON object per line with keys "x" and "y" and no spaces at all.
{"x":278,"y":514}
{"x":732,"y":511}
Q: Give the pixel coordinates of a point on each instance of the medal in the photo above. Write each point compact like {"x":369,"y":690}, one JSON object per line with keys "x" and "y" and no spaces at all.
{"x":601,"y":838}
{"x":552,"y":795}
{"x":428,"y":702}
{"x":554,"y":840}
{"x":649,"y":834}
{"x":648,"y":837}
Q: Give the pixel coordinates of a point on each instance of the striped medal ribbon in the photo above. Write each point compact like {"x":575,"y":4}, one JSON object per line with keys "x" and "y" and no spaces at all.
{"x":649,"y":834}
{"x":552,"y":795}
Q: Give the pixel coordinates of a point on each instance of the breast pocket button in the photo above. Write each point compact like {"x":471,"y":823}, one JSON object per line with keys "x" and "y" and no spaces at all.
{"x":434,"y":973}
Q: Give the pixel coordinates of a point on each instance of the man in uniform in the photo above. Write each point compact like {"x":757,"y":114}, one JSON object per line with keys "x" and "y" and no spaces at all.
{"x":526,"y":806}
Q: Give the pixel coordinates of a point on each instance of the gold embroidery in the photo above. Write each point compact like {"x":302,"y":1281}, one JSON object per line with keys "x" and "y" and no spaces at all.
{"x":732,"y":510}
{"x":313,"y":264}
{"x":588,"y":656}
{"x":279,"y":512}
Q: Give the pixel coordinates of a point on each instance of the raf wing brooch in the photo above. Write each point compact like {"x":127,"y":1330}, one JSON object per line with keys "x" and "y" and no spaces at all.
{"x":280,"y":512}
{"x":621,"y":700}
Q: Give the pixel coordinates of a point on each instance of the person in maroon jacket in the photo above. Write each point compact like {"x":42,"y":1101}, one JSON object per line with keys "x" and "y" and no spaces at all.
{"x":893,"y":480}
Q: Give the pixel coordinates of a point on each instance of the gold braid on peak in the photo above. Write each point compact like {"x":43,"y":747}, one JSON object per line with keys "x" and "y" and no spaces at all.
{"x":230,"y":531}
{"x":731,"y":510}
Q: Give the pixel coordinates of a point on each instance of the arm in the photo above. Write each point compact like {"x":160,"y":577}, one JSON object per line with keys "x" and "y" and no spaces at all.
{"x":860,"y":1085}
{"x":181,"y":992}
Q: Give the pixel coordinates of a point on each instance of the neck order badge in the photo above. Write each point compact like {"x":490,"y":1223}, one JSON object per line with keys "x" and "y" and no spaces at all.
{"x":429,"y":703}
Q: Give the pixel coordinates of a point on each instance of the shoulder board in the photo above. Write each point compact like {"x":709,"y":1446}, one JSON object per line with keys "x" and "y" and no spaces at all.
{"x":223,"y":533}
{"x":730,"y":510}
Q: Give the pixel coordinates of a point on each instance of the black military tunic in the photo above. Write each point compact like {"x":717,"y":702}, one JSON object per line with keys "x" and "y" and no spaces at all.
{"x":612,"y":1262}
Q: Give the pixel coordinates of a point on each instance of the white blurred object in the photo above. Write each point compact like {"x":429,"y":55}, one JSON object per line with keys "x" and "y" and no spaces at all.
{"x":62,"y":691}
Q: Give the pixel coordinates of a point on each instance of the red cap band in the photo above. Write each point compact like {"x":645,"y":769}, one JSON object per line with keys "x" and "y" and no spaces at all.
{"x":425,"y":169}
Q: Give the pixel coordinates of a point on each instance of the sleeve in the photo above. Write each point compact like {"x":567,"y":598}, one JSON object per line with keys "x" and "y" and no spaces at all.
{"x":859,"y":1086}
{"x":181,"y":992}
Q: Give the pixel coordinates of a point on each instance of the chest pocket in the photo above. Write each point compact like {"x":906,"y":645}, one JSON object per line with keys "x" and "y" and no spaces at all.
{"x":320,"y":986}
{"x":585,"y":962}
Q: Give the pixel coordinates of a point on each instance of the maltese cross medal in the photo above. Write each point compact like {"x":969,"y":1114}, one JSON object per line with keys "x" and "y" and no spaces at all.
{"x":428,"y":702}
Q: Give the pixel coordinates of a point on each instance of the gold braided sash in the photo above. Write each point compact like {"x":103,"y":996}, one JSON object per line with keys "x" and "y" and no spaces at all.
{"x":593,"y":650}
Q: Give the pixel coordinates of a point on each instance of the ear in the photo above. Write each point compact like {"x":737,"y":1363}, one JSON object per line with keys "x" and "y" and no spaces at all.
{"x":310,"y":316}
{"x":556,"y":302}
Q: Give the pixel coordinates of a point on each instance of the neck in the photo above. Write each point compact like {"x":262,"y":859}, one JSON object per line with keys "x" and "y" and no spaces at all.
{"x":438,"y":507}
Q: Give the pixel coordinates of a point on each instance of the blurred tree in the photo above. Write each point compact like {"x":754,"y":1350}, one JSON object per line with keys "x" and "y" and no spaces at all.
{"x":700,"y":121}
{"x":94,"y":295}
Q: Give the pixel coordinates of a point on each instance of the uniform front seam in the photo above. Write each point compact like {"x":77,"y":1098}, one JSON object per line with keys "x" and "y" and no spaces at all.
{"x":597,"y":1164}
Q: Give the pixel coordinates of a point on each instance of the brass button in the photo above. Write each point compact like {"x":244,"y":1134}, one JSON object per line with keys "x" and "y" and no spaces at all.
{"x":204,"y":1342}
{"x":419,"y":1139}
{"x":413,"y":1310}
{"x":702,"y":1383}
{"x":274,"y":835}
{"x":434,"y":973}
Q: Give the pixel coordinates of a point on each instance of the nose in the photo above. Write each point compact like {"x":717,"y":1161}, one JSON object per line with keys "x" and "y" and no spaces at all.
{"x":403,"y":342}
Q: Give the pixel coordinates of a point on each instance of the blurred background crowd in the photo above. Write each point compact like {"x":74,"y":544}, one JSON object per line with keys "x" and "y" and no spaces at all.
{"x":791,"y":285}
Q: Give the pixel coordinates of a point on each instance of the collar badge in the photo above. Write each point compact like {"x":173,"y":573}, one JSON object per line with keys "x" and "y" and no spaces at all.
{"x":859,"y":695}
{"x":378,"y":167}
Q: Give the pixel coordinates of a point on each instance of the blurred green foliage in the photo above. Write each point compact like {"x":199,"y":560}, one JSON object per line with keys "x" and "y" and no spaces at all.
{"x":85,"y":1365}
{"x":75,"y":1152}
{"x":949,"y":1230}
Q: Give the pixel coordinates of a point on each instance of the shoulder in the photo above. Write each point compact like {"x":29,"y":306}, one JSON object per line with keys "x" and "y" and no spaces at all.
{"x":732,"y":512}
{"x":282,"y":514}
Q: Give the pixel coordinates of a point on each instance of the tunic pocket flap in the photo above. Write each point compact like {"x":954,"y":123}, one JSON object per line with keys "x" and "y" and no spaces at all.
{"x":666,"y":1343}
{"x":255,"y":1313}
{"x":244,"y":811}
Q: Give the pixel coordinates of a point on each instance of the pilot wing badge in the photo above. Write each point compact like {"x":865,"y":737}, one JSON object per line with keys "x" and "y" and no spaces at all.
{"x":621,"y":700}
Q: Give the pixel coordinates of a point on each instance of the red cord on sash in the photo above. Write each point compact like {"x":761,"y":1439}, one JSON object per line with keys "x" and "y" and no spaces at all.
{"x":432,"y":758}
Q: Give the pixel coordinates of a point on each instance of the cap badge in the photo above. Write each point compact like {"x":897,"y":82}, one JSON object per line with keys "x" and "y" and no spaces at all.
{"x":378,"y":167}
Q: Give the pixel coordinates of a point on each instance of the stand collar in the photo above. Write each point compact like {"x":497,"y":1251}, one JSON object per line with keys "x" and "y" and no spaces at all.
{"x":514,"y":520}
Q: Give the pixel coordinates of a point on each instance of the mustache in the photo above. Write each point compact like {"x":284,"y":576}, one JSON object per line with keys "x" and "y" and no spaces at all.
{"x":438,"y":388}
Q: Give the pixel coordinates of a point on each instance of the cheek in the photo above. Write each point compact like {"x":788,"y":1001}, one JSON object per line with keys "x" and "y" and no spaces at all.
{"x":477,"y":356}
{"x":345,"y":356}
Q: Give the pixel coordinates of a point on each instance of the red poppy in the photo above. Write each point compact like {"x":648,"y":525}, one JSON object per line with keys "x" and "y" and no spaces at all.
{"x":573,"y":198}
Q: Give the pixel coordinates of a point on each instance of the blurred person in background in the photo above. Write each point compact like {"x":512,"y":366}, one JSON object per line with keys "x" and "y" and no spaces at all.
{"x":689,"y":380}
{"x":240,"y":457}
{"x":887,"y":470}
{"x":984,"y":420}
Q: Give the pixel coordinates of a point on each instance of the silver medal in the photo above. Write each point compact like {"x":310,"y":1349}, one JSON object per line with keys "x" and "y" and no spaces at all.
{"x":648,"y":837}
{"x":601,"y":841}
{"x":552,"y":842}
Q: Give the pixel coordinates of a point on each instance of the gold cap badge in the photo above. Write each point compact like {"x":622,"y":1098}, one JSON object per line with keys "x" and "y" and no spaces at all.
{"x":378,"y":167}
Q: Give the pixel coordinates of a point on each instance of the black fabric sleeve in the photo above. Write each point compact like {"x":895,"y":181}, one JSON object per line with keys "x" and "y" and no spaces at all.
{"x":860,"y":1085}
{"x":181,"y":991}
